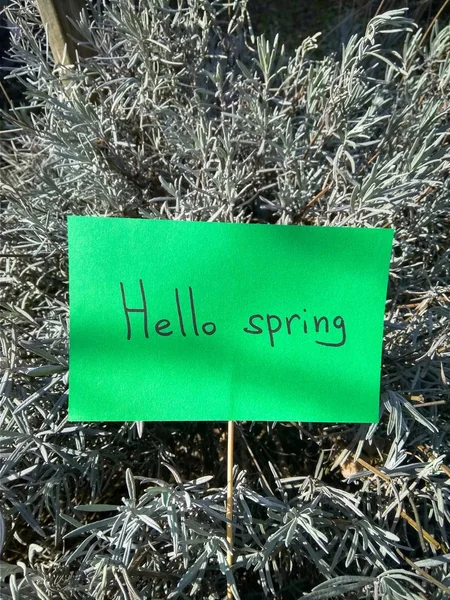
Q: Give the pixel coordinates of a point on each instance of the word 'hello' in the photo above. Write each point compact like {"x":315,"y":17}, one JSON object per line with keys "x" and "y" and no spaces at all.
{"x":258,"y":324}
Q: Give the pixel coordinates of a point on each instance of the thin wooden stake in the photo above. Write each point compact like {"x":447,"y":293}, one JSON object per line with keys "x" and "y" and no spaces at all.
{"x":430,"y":27}
{"x":230,"y":461}
{"x":55,"y":16}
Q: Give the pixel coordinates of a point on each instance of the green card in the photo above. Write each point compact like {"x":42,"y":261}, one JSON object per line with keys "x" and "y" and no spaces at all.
{"x":186,"y":321}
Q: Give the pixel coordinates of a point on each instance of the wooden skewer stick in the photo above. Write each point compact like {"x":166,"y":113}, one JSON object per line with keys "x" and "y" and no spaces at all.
{"x":230,"y":461}
{"x":430,"y":27}
{"x":55,"y":16}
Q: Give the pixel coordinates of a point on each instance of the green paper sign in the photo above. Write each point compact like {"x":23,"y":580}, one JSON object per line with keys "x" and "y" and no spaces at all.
{"x":190,"y":321}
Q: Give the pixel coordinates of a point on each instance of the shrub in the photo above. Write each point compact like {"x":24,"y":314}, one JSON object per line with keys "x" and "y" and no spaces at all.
{"x":178,"y":112}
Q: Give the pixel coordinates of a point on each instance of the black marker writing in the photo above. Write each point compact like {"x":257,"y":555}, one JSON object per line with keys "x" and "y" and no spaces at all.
{"x":184,"y":321}
{"x":317,"y":323}
{"x":273,"y":325}
{"x":209,"y":328}
{"x":274,"y":329}
{"x":128,"y":310}
{"x":194,"y":320}
{"x":180,"y":314}
{"x":289,"y":321}
{"x":255,"y":328}
{"x":338,"y":323}
{"x":166,"y":327}
{"x":161,"y":325}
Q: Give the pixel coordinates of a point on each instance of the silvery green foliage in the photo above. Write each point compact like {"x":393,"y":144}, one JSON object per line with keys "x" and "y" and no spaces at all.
{"x":180,"y":113}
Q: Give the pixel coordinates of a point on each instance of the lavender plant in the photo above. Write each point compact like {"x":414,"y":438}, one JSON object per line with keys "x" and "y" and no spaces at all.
{"x":180,"y":112}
